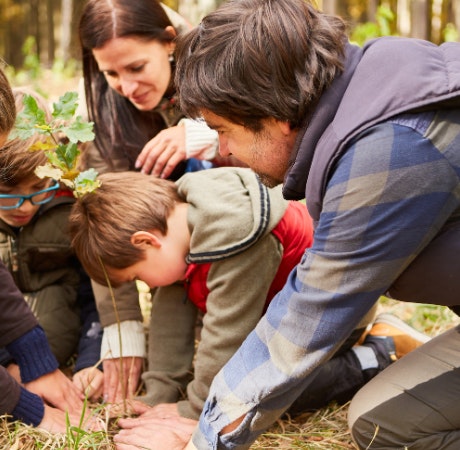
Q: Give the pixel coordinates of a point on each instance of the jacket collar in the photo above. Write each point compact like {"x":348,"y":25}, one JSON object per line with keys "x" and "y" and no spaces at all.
{"x":389,"y":76}
{"x":322,"y":115}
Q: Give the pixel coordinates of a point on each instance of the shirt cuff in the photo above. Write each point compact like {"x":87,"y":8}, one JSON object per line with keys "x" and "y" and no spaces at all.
{"x":33,"y":355}
{"x":190,"y":446}
{"x":200,"y":141}
{"x":29,"y":409}
{"x":132,"y":340}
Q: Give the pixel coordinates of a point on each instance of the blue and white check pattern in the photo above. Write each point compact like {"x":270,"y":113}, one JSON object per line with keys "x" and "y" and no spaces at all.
{"x":392,"y":190}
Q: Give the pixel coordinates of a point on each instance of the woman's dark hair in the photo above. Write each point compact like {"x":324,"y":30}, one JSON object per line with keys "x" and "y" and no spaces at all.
{"x":120,"y":128}
{"x":254,"y":59}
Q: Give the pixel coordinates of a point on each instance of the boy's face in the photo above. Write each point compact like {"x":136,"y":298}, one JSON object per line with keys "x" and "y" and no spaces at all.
{"x":19,"y":217}
{"x":163,"y":265}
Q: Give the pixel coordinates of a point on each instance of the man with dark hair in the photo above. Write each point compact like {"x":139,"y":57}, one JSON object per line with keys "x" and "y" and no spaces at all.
{"x":370,"y":137}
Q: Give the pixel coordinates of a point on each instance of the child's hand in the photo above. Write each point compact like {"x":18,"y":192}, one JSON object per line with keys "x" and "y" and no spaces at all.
{"x":55,"y":421}
{"x":13,"y":370}
{"x":157,"y":428}
{"x":129,"y":372}
{"x":90,"y":381}
{"x":57,"y":390}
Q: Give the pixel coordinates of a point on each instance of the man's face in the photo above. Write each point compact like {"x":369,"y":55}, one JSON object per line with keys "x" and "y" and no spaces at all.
{"x":266,"y":152}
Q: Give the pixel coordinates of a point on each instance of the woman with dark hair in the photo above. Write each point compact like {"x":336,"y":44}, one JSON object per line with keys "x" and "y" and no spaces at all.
{"x":128,"y":77}
{"x":128,"y":70}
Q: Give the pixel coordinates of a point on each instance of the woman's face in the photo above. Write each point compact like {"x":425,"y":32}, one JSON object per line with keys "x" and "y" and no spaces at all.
{"x":137,"y":69}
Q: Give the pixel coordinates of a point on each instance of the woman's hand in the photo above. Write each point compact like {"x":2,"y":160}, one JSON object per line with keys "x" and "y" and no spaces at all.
{"x":55,"y":421}
{"x":161,"y":155}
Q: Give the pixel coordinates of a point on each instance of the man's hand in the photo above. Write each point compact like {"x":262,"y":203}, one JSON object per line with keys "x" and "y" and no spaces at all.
{"x":121,"y":378}
{"x":157,"y":428}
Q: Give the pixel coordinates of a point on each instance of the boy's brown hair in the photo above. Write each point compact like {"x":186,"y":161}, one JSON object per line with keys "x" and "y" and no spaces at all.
{"x":7,"y":106}
{"x":17,"y":162}
{"x":102,"y":222}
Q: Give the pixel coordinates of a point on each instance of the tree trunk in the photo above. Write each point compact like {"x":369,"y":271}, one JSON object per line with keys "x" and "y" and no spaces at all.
{"x":50,"y":31}
{"x":455,"y":13}
{"x":66,"y":27}
{"x":195,"y":10}
{"x":329,"y":6}
{"x":420,"y":19}
{"x":403,"y":18}
{"x":371,"y":10}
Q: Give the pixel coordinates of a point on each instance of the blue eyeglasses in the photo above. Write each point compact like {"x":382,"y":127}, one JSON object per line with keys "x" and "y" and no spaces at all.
{"x":11,"y":201}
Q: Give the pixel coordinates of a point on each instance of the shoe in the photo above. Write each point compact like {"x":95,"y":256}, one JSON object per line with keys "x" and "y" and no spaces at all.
{"x":398,"y":337}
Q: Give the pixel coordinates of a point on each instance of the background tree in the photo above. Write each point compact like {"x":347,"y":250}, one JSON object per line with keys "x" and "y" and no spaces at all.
{"x":53,"y":23}
{"x":424,"y":19}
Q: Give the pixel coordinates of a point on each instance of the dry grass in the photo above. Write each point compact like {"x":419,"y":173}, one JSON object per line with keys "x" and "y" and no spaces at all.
{"x":18,"y":436}
{"x":324,"y":429}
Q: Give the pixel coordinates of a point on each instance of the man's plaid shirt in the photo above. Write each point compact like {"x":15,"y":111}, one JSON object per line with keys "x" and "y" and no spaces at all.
{"x":392,"y":190}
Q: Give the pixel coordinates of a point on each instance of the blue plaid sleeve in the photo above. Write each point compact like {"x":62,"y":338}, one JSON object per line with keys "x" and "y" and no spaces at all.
{"x":390,"y":193}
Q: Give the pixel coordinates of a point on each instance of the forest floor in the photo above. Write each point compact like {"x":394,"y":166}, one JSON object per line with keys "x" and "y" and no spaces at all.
{"x":325,"y":429}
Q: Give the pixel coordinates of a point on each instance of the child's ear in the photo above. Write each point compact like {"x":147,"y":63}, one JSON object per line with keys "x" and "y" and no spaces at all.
{"x":145,"y":239}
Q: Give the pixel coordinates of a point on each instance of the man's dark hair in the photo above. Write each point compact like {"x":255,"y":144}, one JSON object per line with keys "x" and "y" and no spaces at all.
{"x":254,"y":59}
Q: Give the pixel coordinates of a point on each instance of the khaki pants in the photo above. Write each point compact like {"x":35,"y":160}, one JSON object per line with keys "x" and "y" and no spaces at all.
{"x":414,"y":403}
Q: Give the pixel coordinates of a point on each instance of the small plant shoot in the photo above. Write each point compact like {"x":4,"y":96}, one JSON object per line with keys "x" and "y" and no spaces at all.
{"x":63,"y":152}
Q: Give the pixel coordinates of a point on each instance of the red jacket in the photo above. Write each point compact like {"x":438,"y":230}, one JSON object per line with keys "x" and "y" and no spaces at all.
{"x":295,"y":233}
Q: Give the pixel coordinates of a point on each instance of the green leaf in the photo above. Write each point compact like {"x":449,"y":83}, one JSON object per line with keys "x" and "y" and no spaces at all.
{"x":65,"y":108}
{"x":56,"y":161}
{"x":30,"y":120}
{"x":86,"y":182}
{"x":32,"y":112}
{"x":62,"y":157}
{"x":68,"y":154}
{"x":79,"y":130}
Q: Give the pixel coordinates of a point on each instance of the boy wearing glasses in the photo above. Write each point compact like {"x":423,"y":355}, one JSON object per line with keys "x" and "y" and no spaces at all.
{"x":35,"y":247}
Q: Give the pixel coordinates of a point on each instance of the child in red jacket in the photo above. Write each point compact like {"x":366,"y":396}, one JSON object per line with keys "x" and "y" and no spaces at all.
{"x":216,"y":242}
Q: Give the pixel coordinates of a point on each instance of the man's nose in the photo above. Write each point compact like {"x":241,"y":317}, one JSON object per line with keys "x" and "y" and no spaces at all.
{"x":223,"y":147}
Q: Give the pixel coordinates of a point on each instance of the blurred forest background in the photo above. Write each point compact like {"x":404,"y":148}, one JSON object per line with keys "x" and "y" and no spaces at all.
{"x":37,"y":35}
